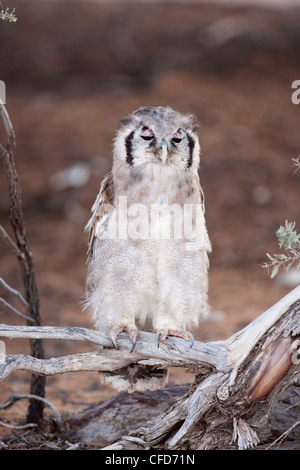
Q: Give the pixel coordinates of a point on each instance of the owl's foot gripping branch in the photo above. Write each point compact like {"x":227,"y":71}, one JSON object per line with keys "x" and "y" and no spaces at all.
{"x":237,"y":381}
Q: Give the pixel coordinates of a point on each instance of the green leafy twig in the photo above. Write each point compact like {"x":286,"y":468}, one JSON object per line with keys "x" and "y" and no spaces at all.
{"x":289,"y":240}
{"x":6,"y":15}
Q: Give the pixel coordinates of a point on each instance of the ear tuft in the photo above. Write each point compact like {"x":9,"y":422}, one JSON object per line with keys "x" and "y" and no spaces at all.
{"x":193,"y":123}
{"x":125,"y":120}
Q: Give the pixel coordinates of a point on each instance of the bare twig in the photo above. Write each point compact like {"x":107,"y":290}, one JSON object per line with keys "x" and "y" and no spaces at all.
{"x":76,"y":446}
{"x":14,"y":398}
{"x":14,"y":292}
{"x":296,"y":162}
{"x":15,"y":310}
{"x":21,"y":426}
{"x":9,"y":241}
{"x":283,"y":435}
{"x":7,"y":155}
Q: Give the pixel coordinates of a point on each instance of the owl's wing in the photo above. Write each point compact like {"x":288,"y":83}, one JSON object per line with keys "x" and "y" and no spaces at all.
{"x":105,"y":196}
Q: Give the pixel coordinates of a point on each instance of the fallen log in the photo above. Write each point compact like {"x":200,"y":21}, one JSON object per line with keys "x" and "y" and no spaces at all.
{"x":103,"y":423}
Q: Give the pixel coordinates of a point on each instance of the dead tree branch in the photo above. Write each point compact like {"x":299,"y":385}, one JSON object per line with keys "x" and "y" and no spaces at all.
{"x":11,"y":307}
{"x":13,"y":291}
{"x":14,"y":398}
{"x":21,"y":248}
{"x":234,"y":378}
{"x":284,"y":434}
{"x":174,"y":352}
{"x":10,"y":242}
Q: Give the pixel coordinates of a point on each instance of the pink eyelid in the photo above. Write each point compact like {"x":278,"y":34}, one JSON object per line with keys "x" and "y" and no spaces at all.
{"x":147,"y":133}
{"x":178,"y":134}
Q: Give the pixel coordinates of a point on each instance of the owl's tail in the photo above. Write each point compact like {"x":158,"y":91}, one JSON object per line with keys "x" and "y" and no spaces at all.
{"x":135,"y":378}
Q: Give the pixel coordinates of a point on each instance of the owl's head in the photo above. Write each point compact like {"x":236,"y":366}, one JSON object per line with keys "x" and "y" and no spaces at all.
{"x":157,"y":136}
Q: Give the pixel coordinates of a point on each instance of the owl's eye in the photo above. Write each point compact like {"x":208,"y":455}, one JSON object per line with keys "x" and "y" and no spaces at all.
{"x":177,"y":137}
{"x":147,"y":134}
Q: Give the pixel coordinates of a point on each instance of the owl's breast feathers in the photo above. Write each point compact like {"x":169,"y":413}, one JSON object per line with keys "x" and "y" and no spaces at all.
{"x":149,"y":187}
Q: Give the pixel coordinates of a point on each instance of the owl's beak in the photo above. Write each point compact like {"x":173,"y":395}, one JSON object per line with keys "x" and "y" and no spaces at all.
{"x":164,"y":151}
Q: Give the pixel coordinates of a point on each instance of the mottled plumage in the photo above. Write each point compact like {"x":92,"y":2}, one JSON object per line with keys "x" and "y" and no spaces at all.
{"x":148,"y":241}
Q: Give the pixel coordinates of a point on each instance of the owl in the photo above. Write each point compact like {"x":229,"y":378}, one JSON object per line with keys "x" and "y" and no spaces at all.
{"x":148,"y":242}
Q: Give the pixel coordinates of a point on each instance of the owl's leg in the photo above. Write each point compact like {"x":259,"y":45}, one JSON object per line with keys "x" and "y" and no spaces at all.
{"x":118,"y":328}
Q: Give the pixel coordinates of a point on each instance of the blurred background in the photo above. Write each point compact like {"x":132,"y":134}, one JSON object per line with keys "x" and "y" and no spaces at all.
{"x":72,"y":69}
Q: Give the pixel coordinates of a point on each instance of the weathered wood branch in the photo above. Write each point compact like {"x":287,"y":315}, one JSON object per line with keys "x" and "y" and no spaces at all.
{"x":174,"y":352}
{"x":223,"y":356}
{"x":234,"y":378}
{"x":21,"y":248}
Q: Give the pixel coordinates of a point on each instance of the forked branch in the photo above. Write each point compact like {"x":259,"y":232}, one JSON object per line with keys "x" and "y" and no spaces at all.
{"x":233,"y":377}
{"x":20,"y":248}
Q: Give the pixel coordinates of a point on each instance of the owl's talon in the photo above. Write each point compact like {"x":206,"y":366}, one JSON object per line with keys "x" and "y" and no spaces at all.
{"x":163,"y":334}
{"x":133,"y":346}
{"x":161,"y":337}
{"x":133,"y":334}
{"x":113,"y":334}
{"x":116,"y":330}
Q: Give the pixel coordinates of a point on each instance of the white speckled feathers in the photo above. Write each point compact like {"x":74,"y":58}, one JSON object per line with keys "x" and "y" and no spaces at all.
{"x":148,"y":241}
